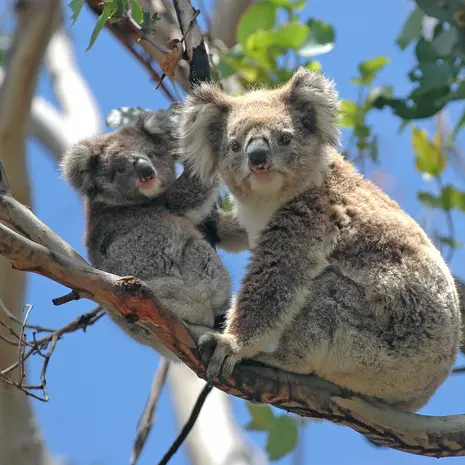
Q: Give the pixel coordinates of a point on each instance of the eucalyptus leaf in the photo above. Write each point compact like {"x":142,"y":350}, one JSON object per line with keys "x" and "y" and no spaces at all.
{"x":412,"y":28}
{"x":263,"y":417}
{"x":259,"y":16}
{"x":282,"y":437}
{"x":319,"y":40}
{"x":108,"y":10}
{"x":427,"y":199}
{"x":430,"y":158}
{"x":76,"y":7}
{"x":370,"y":68}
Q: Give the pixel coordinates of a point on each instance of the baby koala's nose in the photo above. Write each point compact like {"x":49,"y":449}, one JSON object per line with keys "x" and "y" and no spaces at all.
{"x":258,"y":154}
{"x":144,"y":170}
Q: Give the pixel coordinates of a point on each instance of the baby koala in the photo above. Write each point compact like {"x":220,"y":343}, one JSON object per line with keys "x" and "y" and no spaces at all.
{"x":141,"y":221}
{"x":342,"y":282}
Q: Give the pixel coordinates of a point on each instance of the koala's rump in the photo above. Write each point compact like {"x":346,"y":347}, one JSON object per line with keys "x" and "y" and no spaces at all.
{"x":399,"y":352}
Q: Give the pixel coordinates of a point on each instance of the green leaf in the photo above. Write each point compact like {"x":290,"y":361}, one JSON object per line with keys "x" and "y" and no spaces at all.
{"x":314,"y":65}
{"x":434,"y":75}
{"x":231,"y":61}
{"x":370,"y":68}
{"x":108,"y":10}
{"x":259,"y":16}
{"x":430,"y":158}
{"x":282,"y":438}
{"x":76,"y":7}
{"x":123,"y":116}
{"x":418,"y":104}
{"x":450,"y":242}
{"x":137,"y":12}
{"x":425,"y":52}
{"x":290,"y":35}
{"x":319,"y":40}
{"x":262,"y":416}
{"x":375,"y":93}
{"x":451,"y":198}
{"x":445,"y":42}
{"x":259,"y":47}
{"x":350,"y":114}
{"x":227,"y":206}
{"x":362,"y":132}
{"x":412,"y":28}
{"x":372,"y":147}
{"x":288,"y":4}
{"x":427,"y":199}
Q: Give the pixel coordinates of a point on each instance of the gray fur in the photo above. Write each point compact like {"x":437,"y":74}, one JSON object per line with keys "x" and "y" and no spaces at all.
{"x":342,"y":282}
{"x":151,"y":236}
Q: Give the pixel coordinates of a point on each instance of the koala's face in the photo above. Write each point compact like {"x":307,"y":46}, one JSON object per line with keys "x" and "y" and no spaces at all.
{"x":266,"y":140}
{"x":125,"y":167}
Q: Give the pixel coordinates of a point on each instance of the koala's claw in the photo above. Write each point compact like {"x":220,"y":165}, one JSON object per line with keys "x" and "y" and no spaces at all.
{"x":220,"y":353}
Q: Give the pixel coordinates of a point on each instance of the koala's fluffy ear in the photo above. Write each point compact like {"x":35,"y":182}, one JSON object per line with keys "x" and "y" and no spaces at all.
{"x":78,"y":166}
{"x":158,"y":124}
{"x":201,"y":128}
{"x":316,"y":98}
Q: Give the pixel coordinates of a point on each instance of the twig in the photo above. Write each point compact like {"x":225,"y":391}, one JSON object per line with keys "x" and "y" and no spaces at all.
{"x":142,"y":35}
{"x":459,"y":370}
{"x":148,"y":415}
{"x":188,"y":426}
{"x":36,"y":346}
{"x":64,"y":299}
{"x":21,"y":345}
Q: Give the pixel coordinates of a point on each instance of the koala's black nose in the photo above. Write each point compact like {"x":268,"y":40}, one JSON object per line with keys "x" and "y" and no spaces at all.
{"x":258,"y":153}
{"x":144,"y":169}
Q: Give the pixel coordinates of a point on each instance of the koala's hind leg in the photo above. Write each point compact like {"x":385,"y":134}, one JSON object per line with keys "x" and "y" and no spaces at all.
{"x":184,"y":299}
{"x":142,"y":336}
{"x":362,"y":345}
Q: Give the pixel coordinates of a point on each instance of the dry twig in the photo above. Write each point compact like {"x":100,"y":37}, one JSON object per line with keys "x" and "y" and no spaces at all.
{"x":148,"y":415}
{"x":36,"y":346}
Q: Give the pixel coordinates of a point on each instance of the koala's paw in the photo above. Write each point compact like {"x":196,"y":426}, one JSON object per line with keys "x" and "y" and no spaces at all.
{"x":220,"y":352}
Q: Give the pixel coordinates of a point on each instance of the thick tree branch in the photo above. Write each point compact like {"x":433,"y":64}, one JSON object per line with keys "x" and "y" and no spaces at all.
{"x":308,"y":396}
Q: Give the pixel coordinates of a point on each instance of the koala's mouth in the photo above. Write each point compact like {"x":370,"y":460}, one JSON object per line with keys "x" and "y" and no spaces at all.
{"x":264,"y":176}
{"x":144,"y":180}
{"x":148,"y":185}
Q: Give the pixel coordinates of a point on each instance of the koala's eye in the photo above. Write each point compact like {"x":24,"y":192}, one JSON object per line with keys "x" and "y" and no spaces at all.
{"x":235,"y":146}
{"x":151,"y":155}
{"x":285,"y":139}
{"x":120,"y":169}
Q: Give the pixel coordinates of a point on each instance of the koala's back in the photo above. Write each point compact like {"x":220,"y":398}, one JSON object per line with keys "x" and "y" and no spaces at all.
{"x":164,"y":250}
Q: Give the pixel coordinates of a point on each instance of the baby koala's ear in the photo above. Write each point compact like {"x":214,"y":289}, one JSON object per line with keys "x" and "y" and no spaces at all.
{"x":201,"y":128}
{"x":316,"y":99}
{"x":79,"y":166}
{"x":158,"y":125}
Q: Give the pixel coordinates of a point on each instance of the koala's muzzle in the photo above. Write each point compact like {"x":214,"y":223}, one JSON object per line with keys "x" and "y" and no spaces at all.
{"x":258,"y":155}
{"x":144,"y":170}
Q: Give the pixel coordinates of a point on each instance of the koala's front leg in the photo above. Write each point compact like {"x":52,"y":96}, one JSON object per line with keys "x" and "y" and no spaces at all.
{"x":292,"y":250}
{"x":189,"y":196}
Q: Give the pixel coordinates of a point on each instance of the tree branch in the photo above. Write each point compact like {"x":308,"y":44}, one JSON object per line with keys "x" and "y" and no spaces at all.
{"x":308,"y":396}
{"x":148,"y":415}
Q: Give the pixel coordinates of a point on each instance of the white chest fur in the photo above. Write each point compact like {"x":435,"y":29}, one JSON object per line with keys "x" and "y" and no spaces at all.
{"x":255,"y":215}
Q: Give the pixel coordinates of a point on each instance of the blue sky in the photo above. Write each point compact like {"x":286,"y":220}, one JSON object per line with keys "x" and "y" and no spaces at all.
{"x":99,"y":381}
